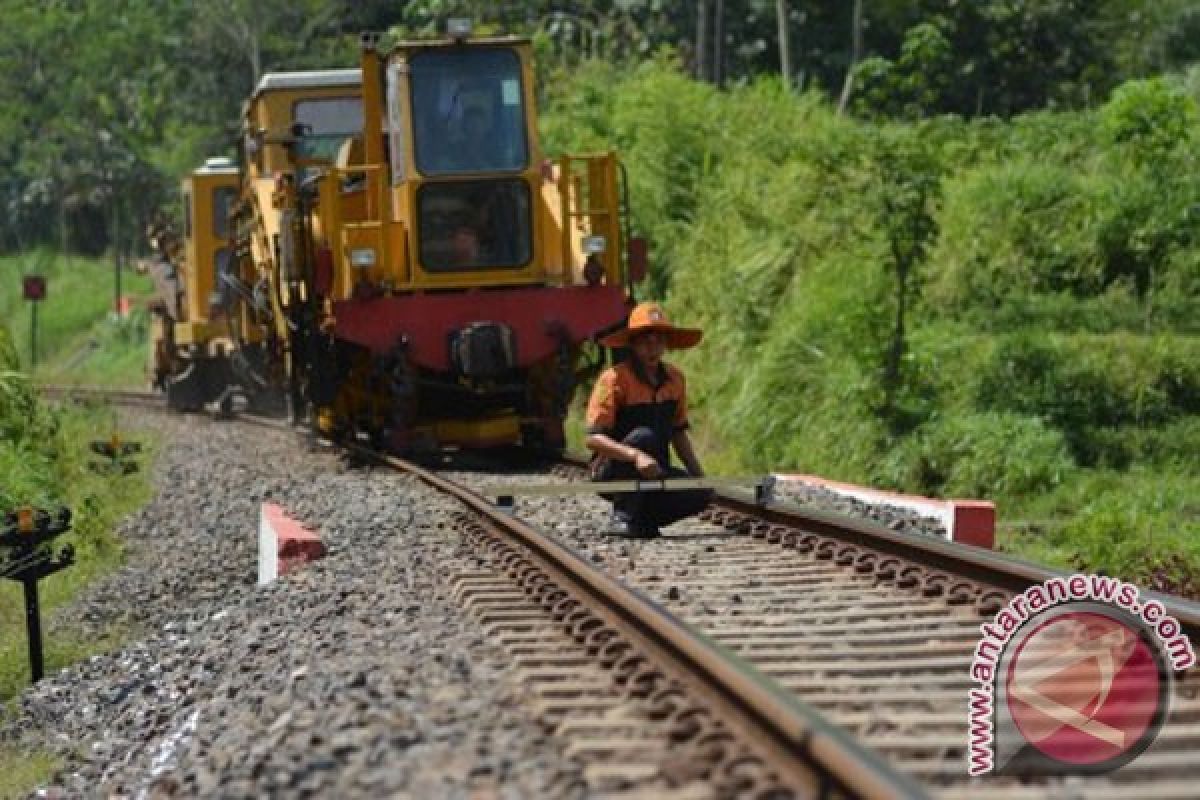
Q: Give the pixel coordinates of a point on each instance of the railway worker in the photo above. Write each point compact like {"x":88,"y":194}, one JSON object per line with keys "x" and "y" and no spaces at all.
{"x":466,"y":248}
{"x":637,"y":412}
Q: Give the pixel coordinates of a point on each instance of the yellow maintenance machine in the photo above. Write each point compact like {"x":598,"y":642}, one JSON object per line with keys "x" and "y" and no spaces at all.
{"x":433,"y":280}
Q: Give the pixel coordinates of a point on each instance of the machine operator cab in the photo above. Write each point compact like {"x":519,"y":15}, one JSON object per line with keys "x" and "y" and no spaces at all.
{"x":324,"y":106}
{"x":208,"y":195}
{"x":307,"y":116}
{"x":456,"y":193}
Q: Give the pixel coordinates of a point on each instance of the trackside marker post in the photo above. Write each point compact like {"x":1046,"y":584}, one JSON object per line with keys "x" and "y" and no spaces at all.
{"x":25,"y":535}
{"x":33,"y":289}
{"x":119,"y":454}
{"x":966,"y":521}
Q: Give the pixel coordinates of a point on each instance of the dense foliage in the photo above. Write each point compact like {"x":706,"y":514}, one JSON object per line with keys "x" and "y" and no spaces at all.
{"x":981,"y":308}
{"x":105,"y":103}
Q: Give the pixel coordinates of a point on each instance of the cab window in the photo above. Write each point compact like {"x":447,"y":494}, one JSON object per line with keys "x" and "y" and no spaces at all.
{"x":468,"y":225}
{"x":223,"y":278}
{"x":468,"y":111}
{"x":222,"y":202}
{"x":330,"y":121}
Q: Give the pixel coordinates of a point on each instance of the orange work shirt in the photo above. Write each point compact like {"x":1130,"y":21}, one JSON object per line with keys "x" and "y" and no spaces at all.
{"x":624,"y":398}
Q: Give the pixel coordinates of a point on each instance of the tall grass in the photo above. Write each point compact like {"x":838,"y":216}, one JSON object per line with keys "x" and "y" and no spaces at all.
{"x":45,"y":462}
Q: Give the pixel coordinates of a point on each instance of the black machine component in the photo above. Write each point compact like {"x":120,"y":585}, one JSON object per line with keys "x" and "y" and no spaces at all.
{"x":484,"y":351}
{"x":201,"y":380}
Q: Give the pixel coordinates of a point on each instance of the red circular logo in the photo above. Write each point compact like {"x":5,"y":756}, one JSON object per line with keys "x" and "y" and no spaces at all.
{"x":1086,"y":689}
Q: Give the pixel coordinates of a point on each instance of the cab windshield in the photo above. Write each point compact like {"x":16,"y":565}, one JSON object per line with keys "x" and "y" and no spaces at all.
{"x":468,"y":111}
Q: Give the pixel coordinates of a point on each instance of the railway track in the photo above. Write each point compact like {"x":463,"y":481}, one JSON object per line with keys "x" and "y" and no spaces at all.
{"x":126,"y":397}
{"x":874,"y":630}
{"x":774,"y":652}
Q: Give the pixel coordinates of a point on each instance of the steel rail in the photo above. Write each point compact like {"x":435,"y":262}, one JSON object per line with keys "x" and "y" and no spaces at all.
{"x":802,"y":741}
{"x":794,"y":730}
{"x":135,"y":397}
{"x":147,"y":399}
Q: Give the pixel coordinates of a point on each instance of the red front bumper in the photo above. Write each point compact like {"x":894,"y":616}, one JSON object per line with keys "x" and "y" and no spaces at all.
{"x":537,"y":316}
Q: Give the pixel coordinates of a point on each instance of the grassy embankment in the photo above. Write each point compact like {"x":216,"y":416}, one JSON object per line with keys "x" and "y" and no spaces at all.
{"x":78,"y":340}
{"x":1052,"y":356}
{"x":44,"y":458}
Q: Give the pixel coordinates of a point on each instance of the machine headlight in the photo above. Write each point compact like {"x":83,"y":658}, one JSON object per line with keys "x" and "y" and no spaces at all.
{"x":362,"y":257}
{"x":593,"y":245}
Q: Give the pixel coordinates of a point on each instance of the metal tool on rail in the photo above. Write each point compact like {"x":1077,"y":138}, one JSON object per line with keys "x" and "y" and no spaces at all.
{"x":505,"y":495}
{"x":25,"y":538}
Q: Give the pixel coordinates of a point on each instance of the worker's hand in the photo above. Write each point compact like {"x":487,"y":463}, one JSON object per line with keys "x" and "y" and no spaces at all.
{"x":646,"y":466}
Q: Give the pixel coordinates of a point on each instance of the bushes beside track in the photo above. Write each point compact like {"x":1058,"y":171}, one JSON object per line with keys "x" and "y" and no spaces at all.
{"x":1051,"y":345}
{"x":44,"y":460}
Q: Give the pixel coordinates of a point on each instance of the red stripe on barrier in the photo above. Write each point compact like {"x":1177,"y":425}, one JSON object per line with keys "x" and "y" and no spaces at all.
{"x":974,"y":522}
{"x":295,"y":545}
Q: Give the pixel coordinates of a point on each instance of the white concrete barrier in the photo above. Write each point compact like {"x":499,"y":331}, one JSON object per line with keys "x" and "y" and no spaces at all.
{"x":966,"y":521}
{"x":283,"y":544}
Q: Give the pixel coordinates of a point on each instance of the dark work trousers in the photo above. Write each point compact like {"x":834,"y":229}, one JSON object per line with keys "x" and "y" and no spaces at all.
{"x":651,"y":509}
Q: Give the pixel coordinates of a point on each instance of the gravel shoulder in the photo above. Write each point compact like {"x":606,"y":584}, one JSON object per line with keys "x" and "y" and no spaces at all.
{"x":357,"y":677}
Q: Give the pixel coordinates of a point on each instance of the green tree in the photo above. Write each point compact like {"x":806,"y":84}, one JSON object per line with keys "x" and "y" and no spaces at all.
{"x":916,"y":84}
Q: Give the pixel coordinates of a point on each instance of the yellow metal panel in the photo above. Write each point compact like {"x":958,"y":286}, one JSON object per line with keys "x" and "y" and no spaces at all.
{"x":372,"y":95}
{"x":330,"y":219}
{"x":588,"y":204}
{"x":363,"y":236}
{"x":199,"y":333}
{"x":497,"y":430}
{"x":397,"y":267}
{"x":548,"y":208}
{"x":603,"y":219}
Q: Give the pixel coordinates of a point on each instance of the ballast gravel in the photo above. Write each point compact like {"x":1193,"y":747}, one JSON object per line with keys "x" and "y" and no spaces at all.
{"x":896,"y":518}
{"x":358,"y":676}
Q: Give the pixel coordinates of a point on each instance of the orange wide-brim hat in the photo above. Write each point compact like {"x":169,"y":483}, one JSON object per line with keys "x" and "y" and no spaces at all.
{"x":648,"y":317}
